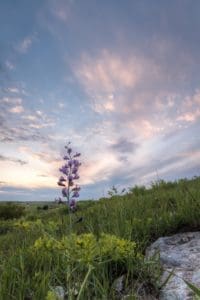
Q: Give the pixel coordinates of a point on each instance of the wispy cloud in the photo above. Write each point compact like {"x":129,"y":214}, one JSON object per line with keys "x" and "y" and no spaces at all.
{"x":9,"y":65}
{"x":12,"y":159}
{"x":13,"y":89}
{"x":38,"y":120}
{"x":41,"y":161}
{"x":47,"y":156}
{"x":107,"y":76}
{"x":11,"y":100}
{"x":124,"y":145}
{"x":189,"y":116}
{"x":17,"y":129}
{"x":61,"y":105}
{"x":16,"y":109}
{"x":100,"y":169}
{"x":24,"y":45}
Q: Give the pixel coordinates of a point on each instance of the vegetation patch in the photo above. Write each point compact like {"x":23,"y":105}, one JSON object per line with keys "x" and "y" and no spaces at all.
{"x":86,"y":251}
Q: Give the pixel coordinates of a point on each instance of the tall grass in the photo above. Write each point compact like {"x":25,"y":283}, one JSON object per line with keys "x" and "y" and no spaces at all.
{"x":140,"y":217}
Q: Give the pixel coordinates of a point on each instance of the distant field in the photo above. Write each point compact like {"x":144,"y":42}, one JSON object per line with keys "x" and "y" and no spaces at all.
{"x":43,"y":246}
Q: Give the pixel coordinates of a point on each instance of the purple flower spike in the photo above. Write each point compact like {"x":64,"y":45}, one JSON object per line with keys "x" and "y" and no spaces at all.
{"x":75,"y":195}
{"x":76,"y":188}
{"x":72,"y":202}
{"x":62,"y":178}
{"x":74,"y":170}
{"x":66,"y":157}
{"x":64,"y":192}
{"x":70,"y":163}
{"x":70,"y":177}
{"x":69,"y":150}
{"x":60,"y":183}
{"x":76,"y":163}
{"x":72,"y":205}
{"x":64,"y":170}
{"x":70,"y":173}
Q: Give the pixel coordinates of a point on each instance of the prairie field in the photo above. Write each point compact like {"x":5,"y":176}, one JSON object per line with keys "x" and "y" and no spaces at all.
{"x":43,"y":246}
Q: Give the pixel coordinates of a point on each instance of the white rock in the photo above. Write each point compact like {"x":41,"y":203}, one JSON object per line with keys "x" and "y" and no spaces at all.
{"x":60,"y":292}
{"x":179,"y":253}
{"x":118,"y":284}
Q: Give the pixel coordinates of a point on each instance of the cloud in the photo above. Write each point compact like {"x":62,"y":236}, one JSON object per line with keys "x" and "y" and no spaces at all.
{"x":54,"y":16}
{"x":2,"y":182}
{"x":26,"y":128}
{"x":47,"y":156}
{"x":189,"y":116}
{"x":147,"y":129}
{"x":101,"y":106}
{"x":135,"y":91}
{"x":42,"y":175}
{"x":61,"y":13}
{"x":190,"y":109}
{"x":30,"y":117}
{"x":124,"y":145}
{"x":129,"y":90}
{"x":17,"y":132}
{"x":60,"y":9}
{"x":25,"y":44}
{"x":11,"y":100}
{"x":61,"y":105}
{"x":165,"y":167}
{"x":99,"y":169}
{"x":9,"y":65}
{"x":42,"y":161}
{"x":13,"y":89}
{"x":12,"y":159}
{"x":107,"y":75}
{"x":39,"y":120}
{"x":16,"y":109}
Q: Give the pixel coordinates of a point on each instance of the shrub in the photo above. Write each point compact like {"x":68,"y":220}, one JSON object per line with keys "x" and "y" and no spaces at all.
{"x":5,"y":227}
{"x":45,"y":207}
{"x":11,"y":211}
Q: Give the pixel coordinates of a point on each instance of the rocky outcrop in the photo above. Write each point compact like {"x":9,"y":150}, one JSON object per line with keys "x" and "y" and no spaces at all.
{"x":179,"y":254}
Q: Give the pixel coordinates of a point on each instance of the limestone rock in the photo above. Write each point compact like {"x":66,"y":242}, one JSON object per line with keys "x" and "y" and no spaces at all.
{"x":59,"y":292}
{"x":179,"y":253}
{"x":118,"y":284}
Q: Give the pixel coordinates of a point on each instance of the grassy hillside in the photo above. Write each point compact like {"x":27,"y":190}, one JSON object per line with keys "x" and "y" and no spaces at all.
{"x":44,"y":247}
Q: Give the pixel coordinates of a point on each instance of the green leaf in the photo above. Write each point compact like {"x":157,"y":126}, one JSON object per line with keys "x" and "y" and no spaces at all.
{"x":195,"y":289}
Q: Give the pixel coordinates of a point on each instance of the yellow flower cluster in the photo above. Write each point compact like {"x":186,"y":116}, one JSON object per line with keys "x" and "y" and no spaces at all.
{"x":85,"y":248}
{"x":26,"y":225}
{"x":44,"y":243}
{"x":117,"y":248}
{"x":51,"y":296}
{"x":32,"y":225}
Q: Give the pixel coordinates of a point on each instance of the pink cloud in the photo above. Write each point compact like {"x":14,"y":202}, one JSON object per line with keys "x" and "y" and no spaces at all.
{"x":16,"y":109}
{"x":108,"y":72}
{"x":189,"y":116}
{"x":100,"y":169}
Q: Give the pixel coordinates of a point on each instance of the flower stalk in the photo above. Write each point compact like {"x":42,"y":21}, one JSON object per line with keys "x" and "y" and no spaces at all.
{"x":70,"y":175}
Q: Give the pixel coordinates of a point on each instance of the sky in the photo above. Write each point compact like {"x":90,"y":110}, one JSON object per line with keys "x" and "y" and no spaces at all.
{"x":119,"y":79}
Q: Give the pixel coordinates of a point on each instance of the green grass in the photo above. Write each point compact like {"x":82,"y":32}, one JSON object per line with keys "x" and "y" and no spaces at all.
{"x":45,"y":248}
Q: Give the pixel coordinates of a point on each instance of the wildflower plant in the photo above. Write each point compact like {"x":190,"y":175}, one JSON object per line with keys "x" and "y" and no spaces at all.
{"x":70,"y":169}
{"x":114,"y":191}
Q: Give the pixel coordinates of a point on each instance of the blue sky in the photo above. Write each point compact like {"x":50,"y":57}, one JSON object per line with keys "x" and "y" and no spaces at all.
{"x":119,"y":79}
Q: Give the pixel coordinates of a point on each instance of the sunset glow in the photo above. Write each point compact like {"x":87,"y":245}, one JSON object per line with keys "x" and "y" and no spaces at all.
{"x":119,"y":79}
